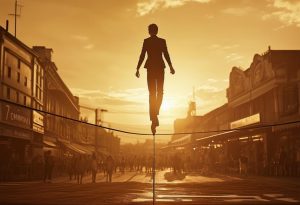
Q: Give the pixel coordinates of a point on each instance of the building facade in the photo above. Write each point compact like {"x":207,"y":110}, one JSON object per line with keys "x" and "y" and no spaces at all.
{"x":38,"y":112}
{"x":59,"y":101}
{"x":260,"y":121}
{"x":21,"y":128}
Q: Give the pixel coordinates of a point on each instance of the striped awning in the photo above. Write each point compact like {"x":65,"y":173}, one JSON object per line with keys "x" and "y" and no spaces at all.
{"x":182,"y":140}
{"x":49,"y":143}
{"x":217,"y":135}
{"x":74,"y":148}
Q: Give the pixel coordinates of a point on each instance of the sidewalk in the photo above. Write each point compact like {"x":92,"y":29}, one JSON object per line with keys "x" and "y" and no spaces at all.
{"x":117,"y":177}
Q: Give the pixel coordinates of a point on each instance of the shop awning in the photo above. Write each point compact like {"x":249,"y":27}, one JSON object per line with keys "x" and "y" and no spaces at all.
{"x":74,"y":148}
{"x":186,"y":139}
{"x":49,"y":143}
{"x":291,"y":125}
{"x":222,"y":134}
{"x":79,"y":148}
{"x":88,"y":149}
{"x":235,"y":133}
{"x":103,"y":151}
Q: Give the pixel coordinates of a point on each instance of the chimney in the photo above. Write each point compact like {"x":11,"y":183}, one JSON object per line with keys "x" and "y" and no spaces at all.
{"x":43,"y":52}
{"x":6,"y":28}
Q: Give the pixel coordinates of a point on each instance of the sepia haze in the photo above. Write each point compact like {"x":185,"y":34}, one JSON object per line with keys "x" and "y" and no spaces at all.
{"x":97,"y":44}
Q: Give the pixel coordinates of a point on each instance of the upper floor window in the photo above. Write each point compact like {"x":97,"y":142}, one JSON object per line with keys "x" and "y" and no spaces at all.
{"x":26,"y":81}
{"x":8,"y":93}
{"x":19,"y":63}
{"x":25,"y":100}
{"x":290,"y":100}
{"x":18,"y":77}
{"x":18,"y":96}
{"x":9,"y":72}
{"x":36,"y":91}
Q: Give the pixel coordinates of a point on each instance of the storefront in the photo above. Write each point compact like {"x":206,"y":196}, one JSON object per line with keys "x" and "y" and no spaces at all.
{"x":285,"y":150}
{"x":15,"y":130}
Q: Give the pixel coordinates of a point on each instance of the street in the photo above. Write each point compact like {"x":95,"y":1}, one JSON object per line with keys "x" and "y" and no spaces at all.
{"x":136,"y":188}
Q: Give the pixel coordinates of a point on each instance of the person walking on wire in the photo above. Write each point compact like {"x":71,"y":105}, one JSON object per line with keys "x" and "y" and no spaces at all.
{"x":155,"y":47}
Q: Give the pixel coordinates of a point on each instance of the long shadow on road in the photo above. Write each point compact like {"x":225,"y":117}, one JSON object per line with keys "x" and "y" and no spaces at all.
{"x":192,"y":189}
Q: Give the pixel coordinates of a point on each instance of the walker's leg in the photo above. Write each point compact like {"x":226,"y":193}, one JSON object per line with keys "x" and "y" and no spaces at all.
{"x":153,"y":129}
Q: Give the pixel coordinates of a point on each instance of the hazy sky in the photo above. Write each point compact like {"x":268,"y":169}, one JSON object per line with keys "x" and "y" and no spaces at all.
{"x":97,"y":43}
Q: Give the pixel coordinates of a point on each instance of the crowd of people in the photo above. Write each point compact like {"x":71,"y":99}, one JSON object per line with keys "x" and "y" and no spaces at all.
{"x":78,"y":166}
{"x":202,"y":161}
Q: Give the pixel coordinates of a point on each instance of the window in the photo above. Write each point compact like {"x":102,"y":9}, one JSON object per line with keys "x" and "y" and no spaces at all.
{"x":9,"y":72}
{"x":37,"y":77}
{"x":19,"y":64}
{"x":8,"y":93}
{"x":25,"y":82}
{"x":18,"y":97}
{"x":19,"y":77}
{"x":25,"y":99}
{"x":289,"y":98}
{"x":36,"y":91}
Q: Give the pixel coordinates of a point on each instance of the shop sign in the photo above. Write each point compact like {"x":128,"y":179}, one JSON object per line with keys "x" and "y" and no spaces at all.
{"x":38,"y":122}
{"x":15,"y":115}
{"x":245,"y":121}
{"x":38,"y":128}
{"x":38,"y":118}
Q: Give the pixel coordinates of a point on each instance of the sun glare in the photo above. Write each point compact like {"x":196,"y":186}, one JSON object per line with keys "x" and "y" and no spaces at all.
{"x":167,"y":105}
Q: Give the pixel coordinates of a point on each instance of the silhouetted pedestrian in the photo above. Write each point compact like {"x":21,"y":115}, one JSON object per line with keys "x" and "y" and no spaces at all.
{"x":283,"y":162}
{"x":243,"y":165}
{"x":109,"y":168}
{"x":94,"y":167}
{"x":122,"y":165}
{"x":81,"y":168}
{"x":49,"y":164}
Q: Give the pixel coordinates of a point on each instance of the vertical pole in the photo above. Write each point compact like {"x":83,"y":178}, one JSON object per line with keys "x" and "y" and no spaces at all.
{"x":96,"y":129}
{"x":16,"y":5}
{"x":153,"y":170}
{"x":96,"y":116}
{"x":6,"y":28}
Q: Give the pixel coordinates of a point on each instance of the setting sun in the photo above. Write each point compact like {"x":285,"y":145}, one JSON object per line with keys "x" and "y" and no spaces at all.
{"x":167,"y":105}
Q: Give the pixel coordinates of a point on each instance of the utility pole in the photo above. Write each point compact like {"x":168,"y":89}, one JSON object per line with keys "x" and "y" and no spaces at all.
{"x":16,"y":15}
{"x":98,"y":120}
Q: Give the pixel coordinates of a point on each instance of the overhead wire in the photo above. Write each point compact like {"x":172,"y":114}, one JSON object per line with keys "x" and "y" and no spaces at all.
{"x":260,"y":126}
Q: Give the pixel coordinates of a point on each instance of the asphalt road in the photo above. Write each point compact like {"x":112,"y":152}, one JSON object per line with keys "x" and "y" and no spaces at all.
{"x":136,"y":188}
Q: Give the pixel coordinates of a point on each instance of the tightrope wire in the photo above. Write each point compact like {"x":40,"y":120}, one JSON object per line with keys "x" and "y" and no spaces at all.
{"x":260,"y":126}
